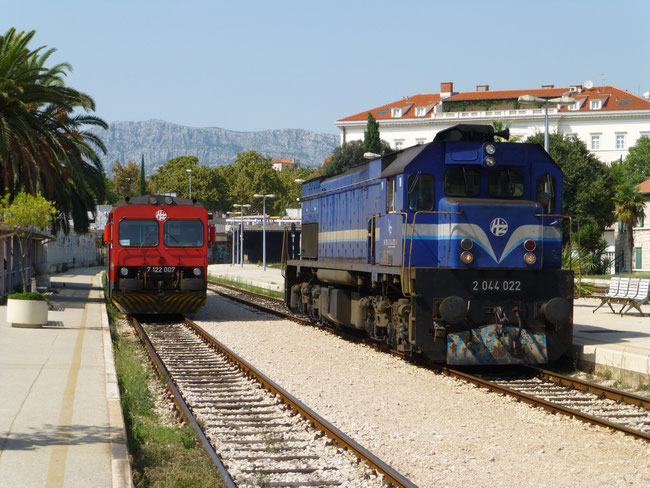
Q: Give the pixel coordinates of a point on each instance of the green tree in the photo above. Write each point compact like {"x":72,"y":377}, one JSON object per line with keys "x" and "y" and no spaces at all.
{"x":348,"y":155}
{"x":24,"y":214}
{"x":290,"y":190}
{"x":45,"y":143}
{"x":588,"y":182}
{"x":110,"y":197}
{"x":253,"y":173}
{"x":126,"y":178}
{"x":635,"y":168}
{"x":143,"y":186}
{"x":371,"y":140}
{"x":629,"y":208}
{"x":172,"y":177}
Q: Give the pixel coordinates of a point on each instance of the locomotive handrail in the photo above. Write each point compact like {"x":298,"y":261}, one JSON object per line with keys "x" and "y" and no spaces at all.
{"x":415,"y":215}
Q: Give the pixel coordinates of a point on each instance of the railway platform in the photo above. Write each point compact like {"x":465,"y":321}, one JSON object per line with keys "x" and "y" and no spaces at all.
{"x":60,"y":417}
{"x":603,"y":342}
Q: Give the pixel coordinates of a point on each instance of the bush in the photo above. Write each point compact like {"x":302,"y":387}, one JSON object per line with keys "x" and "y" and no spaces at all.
{"x":27,"y":295}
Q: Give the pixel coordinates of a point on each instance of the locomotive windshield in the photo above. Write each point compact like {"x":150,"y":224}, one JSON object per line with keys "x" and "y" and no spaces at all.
{"x":183,"y":233}
{"x":138,"y":233}
{"x":462,"y":182}
{"x":506,"y":183}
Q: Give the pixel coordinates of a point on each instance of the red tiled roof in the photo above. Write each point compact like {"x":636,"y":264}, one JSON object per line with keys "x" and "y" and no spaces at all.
{"x":282,"y":161}
{"x":616,"y":99}
{"x":644,"y":186}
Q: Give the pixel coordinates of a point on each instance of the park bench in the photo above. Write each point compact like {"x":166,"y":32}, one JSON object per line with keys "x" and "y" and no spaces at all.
{"x":606,"y":298}
{"x":640,"y":297}
{"x":631,"y":292}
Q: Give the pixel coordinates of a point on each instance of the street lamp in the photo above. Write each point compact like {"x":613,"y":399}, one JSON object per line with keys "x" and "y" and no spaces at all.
{"x":189,"y":171}
{"x":563,"y":100}
{"x":264,"y":197}
{"x":234,"y":241}
{"x":241,"y":206}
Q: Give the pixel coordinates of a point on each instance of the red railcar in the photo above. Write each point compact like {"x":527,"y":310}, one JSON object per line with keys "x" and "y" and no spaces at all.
{"x":157,"y":254}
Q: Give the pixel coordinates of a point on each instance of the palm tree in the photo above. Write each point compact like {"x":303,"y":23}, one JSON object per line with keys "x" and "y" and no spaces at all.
{"x":45,"y":142}
{"x":629,"y":207}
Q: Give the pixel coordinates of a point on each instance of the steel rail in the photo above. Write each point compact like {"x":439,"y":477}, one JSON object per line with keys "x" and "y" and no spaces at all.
{"x":550,"y":406}
{"x":581,"y":385}
{"x":319,"y":423}
{"x":247,"y":292}
{"x":599,"y":390}
{"x":180,"y":403}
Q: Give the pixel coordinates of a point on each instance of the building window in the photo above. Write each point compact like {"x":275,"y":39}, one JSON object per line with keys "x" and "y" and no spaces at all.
{"x":620,"y":141}
{"x":420,"y":111}
{"x":637,"y":258}
{"x":396,"y":112}
{"x":645,"y":135}
{"x":399,"y":144}
{"x":574,"y":106}
{"x":595,"y":104}
{"x":639,"y":222}
{"x":595,"y":142}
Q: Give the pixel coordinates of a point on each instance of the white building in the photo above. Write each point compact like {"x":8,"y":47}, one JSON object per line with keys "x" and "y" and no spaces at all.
{"x":609,"y":120}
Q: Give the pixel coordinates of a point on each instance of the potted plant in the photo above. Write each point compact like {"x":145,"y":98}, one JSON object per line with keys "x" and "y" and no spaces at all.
{"x":27,"y":309}
{"x":24,"y":214}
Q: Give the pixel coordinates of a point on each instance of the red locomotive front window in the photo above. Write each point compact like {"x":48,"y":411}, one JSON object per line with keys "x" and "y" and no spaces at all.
{"x":183,"y":233}
{"x":138,"y":233}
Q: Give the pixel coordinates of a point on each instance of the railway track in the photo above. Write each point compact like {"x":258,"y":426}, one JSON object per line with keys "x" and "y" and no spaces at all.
{"x":586,"y":401}
{"x":260,"y":435}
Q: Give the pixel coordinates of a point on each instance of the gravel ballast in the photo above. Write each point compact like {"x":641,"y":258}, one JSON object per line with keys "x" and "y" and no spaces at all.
{"x":435,"y":430}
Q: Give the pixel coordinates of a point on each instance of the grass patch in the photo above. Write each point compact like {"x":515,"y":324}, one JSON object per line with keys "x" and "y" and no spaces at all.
{"x":163,"y":454}
{"x":245,"y":286}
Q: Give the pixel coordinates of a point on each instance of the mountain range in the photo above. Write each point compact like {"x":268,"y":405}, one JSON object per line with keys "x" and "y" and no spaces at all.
{"x":161,"y":141}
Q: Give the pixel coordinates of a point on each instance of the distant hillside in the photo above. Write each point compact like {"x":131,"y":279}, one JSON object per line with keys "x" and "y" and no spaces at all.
{"x":161,"y":141}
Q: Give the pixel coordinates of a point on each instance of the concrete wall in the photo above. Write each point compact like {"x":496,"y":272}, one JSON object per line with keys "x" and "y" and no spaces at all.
{"x":71,"y":251}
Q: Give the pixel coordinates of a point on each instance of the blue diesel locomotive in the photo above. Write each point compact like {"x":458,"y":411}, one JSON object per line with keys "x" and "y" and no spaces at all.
{"x":450,"y":249}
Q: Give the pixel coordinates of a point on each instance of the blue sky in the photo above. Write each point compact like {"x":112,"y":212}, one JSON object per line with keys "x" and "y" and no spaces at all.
{"x":256,"y":65}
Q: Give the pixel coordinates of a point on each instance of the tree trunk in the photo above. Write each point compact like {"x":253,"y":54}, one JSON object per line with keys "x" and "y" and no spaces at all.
{"x":630,"y":245}
{"x":21,"y":262}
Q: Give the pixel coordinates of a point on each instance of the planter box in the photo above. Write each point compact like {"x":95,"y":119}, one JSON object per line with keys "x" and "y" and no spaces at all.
{"x":26,"y":313}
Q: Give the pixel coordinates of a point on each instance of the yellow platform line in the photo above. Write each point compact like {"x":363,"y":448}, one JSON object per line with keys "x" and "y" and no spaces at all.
{"x":56,"y":468}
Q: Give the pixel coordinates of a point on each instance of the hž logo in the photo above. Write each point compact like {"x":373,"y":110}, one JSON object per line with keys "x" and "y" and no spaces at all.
{"x":161,"y":215}
{"x":499,"y":227}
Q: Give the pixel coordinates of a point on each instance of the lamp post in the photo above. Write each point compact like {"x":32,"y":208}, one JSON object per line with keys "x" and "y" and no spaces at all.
{"x":234,"y":240}
{"x":563,"y":100}
{"x":264,"y":197}
{"x":189,"y":171}
{"x":241,"y":206}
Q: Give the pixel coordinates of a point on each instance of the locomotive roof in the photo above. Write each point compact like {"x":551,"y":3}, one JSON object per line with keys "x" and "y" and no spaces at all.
{"x":144,"y":200}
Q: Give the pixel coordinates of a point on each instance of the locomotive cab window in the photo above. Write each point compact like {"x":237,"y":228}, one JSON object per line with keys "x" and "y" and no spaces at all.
{"x":183,"y":233}
{"x":138,"y":233}
{"x":420,"y":192}
{"x":545,"y":193}
{"x":506,"y":183}
{"x":462,"y":182}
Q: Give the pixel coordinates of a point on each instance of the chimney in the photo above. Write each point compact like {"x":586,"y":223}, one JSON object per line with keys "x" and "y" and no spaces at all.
{"x":548,"y":86}
{"x":481,"y":88}
{"x":446,"y":89}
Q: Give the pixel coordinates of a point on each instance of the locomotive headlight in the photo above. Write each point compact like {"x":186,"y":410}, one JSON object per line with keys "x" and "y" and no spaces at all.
{"x":466,"y":257}
{"x":490,"y":148}
{"x":124,"y":271}
{"x":466,"y":244}
{"x":529,"y":258}
{"x":196,"y":271}
{"x":489,"y":161}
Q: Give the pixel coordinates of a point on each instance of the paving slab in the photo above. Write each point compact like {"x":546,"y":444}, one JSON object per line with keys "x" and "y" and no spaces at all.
{"x":61,"y":423}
